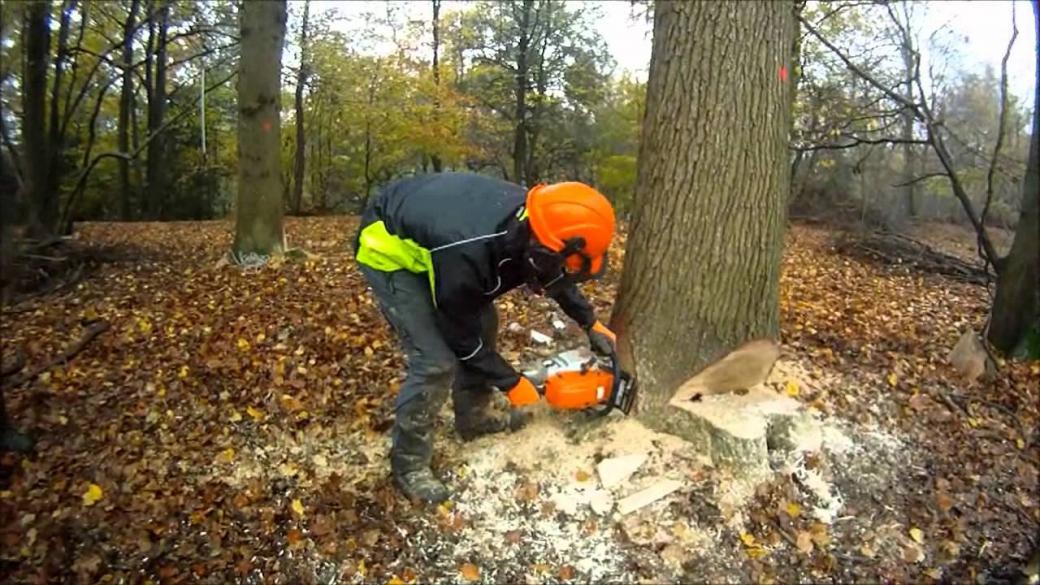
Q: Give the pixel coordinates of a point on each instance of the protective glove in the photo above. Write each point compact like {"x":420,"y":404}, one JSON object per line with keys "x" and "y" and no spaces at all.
{"x":601,"y":339}
{"x":523,"y":394}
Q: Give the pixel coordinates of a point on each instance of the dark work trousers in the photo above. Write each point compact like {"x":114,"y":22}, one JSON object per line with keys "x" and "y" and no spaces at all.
{"x":432,"y":367}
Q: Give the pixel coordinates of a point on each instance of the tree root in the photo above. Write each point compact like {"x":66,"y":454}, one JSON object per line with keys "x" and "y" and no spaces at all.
{"x":15,"y":366}
{"x":92,"y":330}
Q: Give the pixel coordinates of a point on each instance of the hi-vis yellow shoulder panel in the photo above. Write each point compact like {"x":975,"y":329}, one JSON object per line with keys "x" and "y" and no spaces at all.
{"x":381,"y":250}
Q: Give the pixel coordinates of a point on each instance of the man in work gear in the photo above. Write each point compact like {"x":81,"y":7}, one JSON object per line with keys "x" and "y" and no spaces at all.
{"x":437,"y":250}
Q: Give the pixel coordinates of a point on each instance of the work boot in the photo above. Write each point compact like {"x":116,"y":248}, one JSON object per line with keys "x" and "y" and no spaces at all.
{"x":481,"y":422}
{"x":412,"y":448}
{"x":420,"y":484}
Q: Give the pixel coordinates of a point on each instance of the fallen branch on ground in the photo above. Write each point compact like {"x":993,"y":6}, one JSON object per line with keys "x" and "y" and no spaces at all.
{"x":93,"y":330}
{"x":892,"y":248}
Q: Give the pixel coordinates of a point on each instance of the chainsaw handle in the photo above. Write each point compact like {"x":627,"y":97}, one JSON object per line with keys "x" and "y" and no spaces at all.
{"x":615,"y":383}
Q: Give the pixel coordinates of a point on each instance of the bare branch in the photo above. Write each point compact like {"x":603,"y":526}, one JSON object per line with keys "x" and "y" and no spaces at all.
{"x":85,"y":173}
{"x":860,"y":72}
{"x":1002,"y":121}
{"x":922,"y":178}
{"x":924,"y":114}
{"x":857,"y":141}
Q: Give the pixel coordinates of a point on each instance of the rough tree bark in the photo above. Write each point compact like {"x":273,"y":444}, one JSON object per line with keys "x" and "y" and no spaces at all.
{"x":258,"y":227}
{"x":435,"y":160}
{"x":41,"y":204}
{"x":1016,"y":305}
{"x":301,"y":138}
{"x":126,"y":104}
{"x":702,"y":264}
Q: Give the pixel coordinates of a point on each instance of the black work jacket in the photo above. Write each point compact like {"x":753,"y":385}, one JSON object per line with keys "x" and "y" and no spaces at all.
{"x":472,"y":227}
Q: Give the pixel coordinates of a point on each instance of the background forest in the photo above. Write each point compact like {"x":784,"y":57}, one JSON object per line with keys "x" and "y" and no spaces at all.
{"x":141,"y":108}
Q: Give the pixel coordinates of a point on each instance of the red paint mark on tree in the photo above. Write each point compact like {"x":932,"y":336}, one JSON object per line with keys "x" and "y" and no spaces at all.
{"x":783,"y":73}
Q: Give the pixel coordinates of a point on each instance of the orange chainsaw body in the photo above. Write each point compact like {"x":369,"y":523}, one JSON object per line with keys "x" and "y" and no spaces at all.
{"x":576,"y":380}
{"x":578,"y":389}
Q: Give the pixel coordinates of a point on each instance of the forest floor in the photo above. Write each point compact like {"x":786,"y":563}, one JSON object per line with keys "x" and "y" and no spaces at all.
{"x":232,"y":425}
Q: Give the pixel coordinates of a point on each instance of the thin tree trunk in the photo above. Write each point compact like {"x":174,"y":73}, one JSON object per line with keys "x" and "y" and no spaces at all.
{"x":41,"y":205}
{"x":520,"y":90}
{"x":55,"y":142}
{"x":532,"y":170}
{"x":126,"y":104}
{"x":156,"y":175}
{"x":908,"y":134}
{"x":702,"y":265}
{"x":323,"y":202}
{"x":1016,"y":305}
{"x":135,"y":140}
{"x":259,"y":228}
{"x":434,"y":159}
{"x":301,"y":138}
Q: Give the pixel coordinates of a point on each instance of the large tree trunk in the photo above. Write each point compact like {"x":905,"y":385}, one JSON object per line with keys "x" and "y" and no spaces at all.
{"x":41,"y":203}
{"x":259,"y":210}
{"x":702,"y":264}
{"x":1016,"y":305}
{"x":437,"y":165}
{"x":301,"y":138}
{"x":520,"y":133}
{"x":156,"y":170}
{"x":126,"y":104}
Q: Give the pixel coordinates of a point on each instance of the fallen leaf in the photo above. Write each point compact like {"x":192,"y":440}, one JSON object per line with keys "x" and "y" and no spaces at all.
{"x":255,"y":413}
{"x":913,"y":554}
{"x":917,"y":535}
{"x":370,"y":537}
{"x":226,"y":456}
{"x":566,"y":573}
{"x":819,"y":534}
{"x":804,"y":542}
{"x":747,"y":539}
{"x":582,"y":475}
{"x":243,"y":345}
{"x":92,"y":495}
{"x":297,"y":507}
{"x":944,"y":501}
{"x":793,"y":509}
{"x":527,"y":492}
{"x":892,"y":379}
{"x":934,"y":573}
{"x":395,"y":580}
{"x":294,"y":536}
{"x":469,"y":572}
{"x":791,"y":388}
{"x":867,"y":551}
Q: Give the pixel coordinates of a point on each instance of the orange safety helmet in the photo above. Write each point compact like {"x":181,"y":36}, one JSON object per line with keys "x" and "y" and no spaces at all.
{"x":575,"y":221}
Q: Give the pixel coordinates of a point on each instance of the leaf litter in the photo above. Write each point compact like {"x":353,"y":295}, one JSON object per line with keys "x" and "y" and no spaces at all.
{"x":234,"y":423}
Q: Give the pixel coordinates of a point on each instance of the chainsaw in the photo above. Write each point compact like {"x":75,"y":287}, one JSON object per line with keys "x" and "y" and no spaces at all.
{"x":578,"y":380}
